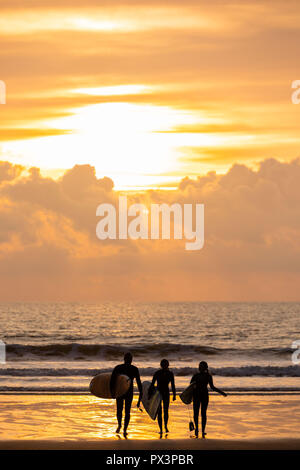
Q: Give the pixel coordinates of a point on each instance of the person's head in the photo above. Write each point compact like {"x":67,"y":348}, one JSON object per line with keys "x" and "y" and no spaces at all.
{"x":164,"y":363}
{"x":203,"y":366}
{"x":128,"y":358}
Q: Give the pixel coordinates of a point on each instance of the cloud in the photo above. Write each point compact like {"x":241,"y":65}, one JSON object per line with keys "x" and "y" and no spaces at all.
{"x":49,"y":249}
{"x":9,"y":172}
{"x":195,"y":56}
{"x":22,"y":134}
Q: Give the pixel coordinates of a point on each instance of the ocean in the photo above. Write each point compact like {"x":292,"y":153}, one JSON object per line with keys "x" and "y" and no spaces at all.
{"x":58,"y":347}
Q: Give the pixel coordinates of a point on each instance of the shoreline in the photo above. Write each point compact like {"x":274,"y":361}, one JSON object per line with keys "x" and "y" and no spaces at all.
{"x":235,"y":393}
{"x":162,"y":444}
{"x":84,"y":420}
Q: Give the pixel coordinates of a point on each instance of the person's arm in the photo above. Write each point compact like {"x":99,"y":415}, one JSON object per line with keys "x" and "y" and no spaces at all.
{"x":112,"y":383}
{"x":173,"y":386}
{"x":139,"y":384}
{"x":211,"y":384}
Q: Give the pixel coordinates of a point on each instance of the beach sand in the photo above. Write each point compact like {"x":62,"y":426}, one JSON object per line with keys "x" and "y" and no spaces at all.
{"x":86,"y":422}
{"x":166,"y":444}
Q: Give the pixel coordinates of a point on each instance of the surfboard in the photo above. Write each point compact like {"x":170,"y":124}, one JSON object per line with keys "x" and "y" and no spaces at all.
{"x":187,"y":395}
{"x":100,"y":385}
{"x":151,"y":404}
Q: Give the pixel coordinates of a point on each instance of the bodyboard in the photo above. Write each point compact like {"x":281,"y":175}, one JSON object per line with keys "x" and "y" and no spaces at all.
{"x":151,"y":404}
{"x":187,"y":395}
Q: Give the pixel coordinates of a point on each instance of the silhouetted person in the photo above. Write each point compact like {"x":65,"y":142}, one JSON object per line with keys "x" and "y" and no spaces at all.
{"x":133,"y":373}
{"x":163,"y":377}
{"x":200,"y":395}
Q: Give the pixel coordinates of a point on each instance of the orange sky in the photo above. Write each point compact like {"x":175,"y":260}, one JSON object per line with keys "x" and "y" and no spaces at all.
{"x":149,"y":93}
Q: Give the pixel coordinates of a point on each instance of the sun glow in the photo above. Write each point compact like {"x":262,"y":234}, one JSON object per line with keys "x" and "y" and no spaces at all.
{"x":117,"y":90}
{"x":137,"y":145}
{"x":122,"y":140}
{"x":26,"y":22}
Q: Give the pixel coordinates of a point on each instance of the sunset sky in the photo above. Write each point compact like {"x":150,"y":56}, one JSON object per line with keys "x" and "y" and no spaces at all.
{"x":193,"y":96}
{"x":148,"y":91}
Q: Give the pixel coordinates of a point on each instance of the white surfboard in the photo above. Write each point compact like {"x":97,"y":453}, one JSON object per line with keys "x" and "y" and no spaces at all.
{"x":100,"y":385}
{"x":187,"y":395}
{"x":151,"y":404}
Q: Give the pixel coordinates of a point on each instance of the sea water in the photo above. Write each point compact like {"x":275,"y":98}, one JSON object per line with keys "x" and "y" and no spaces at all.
{"x":58,"y":347}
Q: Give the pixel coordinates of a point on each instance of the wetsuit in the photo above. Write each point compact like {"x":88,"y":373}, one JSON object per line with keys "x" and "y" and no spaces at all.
{"x":201,"y":397}
{"x":133,"y":373}
{"x":163,"y":377}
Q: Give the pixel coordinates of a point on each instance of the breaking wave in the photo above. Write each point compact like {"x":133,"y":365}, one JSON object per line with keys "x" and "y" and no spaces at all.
{"x":81,"y":351}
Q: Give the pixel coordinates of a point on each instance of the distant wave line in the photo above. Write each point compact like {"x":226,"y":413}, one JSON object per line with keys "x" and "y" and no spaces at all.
{"x":82,"y":351}
{"x":229,"y":371}
{"x":84,"y":390}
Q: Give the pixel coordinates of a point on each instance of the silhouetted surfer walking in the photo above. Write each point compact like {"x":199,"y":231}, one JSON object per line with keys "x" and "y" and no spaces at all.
{"x":163,"y":377}
{"x":133,"y":373}
{"x":200,"y":395}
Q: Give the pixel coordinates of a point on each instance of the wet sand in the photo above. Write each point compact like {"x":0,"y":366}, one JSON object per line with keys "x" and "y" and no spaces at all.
{"x":164,"y":444}
{"x":85,"y":422}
